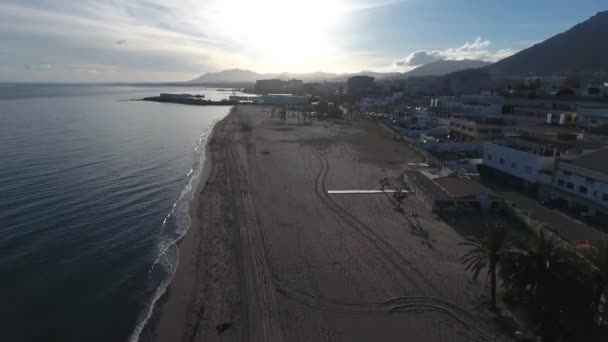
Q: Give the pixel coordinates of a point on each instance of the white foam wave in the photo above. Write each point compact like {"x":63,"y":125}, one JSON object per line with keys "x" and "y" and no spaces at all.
{"x":160,"y":290}
{"x":180,"y":213}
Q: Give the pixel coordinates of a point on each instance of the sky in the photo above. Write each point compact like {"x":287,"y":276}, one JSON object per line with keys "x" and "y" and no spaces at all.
{"x":164,"y":40}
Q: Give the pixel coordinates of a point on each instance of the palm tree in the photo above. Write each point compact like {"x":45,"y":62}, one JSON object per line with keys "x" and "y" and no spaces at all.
{"x":399,"y":196}
{"x":554,"y":278}
{"x":598,"y":256}
{"x":486,"y":252}
{"x":384,"y":182}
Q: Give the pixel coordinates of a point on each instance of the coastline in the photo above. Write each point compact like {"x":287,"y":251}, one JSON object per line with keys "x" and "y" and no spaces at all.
{"x":176,"y":306}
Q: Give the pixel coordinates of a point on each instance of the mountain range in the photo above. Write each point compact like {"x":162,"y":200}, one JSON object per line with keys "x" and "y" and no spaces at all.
{"x":438,"y":68}
{"x":444,"y":67}
{"x":583,"y":48}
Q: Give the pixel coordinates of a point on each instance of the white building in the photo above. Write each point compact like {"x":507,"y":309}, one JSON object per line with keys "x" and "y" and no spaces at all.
{"x":283,"y":100}
{"x":581,"y":183}
{"x":473,"y":104}
{"x":528,"y":162}
{"x":525,"y":163}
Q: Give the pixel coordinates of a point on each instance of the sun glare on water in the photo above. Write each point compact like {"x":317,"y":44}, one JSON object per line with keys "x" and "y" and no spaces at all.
{"x":284,"y":32}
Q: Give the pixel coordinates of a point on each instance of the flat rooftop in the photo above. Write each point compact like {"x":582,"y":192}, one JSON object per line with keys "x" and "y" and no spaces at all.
{"x":546,"y":145}
{"x":450,"y":187}
{"x":596,"y":160}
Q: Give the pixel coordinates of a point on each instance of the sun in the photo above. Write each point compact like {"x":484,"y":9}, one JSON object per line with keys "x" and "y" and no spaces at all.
{"x":284,"y":32}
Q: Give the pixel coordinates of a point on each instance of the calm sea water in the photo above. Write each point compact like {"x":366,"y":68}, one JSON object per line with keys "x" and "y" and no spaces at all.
{"x":94,"y":193}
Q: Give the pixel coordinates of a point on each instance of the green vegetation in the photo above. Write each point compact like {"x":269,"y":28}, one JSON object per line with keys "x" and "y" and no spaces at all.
{"x":486,"y":252}
{"x":560,"y":285}
{"x":399,"y":196}
{"x":384,"y":182}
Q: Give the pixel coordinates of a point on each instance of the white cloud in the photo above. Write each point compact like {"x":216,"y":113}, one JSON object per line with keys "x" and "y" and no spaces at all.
{"x":478,"y":49}
{"x":38,"y":66}
{"x":420,"y":57}
{"x":174,"y":39}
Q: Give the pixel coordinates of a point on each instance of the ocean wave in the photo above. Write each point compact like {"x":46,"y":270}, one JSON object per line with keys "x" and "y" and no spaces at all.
{"x":174,"y":227}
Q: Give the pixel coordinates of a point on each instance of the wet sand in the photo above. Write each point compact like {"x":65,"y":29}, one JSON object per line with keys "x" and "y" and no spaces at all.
{"x":278,"y":259}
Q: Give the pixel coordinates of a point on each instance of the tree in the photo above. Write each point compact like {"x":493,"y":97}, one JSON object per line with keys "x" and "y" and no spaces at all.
{"x":555,"y":279}
{"x":486,"y":252}
{"x":384,"y":182}
{"x":572,"y":81}
{"x":598,"y":256}
{"x":399,"y":196}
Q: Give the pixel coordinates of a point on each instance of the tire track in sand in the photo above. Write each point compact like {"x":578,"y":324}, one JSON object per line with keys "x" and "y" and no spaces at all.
{"x":261,"y":314}
{"x":397,"y":305}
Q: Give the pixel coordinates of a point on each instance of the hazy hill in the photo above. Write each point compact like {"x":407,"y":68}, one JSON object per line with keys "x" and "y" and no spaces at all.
{"x":228,"y":76}
{"x":582,"y":48}
{"x":444,"y":67}
{"x":248,"y":76}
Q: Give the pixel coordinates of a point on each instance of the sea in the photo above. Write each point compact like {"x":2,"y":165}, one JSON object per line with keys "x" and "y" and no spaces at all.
{"x":95,"y":191}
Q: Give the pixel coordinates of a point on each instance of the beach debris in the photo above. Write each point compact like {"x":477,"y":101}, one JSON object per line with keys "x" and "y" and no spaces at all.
{"x":222,"y":327}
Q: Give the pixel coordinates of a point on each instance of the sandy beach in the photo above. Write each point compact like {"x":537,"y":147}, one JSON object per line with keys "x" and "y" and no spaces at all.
{"x":275,"y":258}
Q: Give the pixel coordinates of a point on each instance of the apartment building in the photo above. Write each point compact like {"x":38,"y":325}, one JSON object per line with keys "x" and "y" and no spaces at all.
{"x":581,"y":183}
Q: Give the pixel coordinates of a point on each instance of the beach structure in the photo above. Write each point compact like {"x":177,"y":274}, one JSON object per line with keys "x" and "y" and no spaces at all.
{"x":451,"y":193}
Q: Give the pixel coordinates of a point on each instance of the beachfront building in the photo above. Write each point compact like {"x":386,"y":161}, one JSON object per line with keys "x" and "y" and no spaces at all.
{"x":581,"y":184}
{"x":283,"y":100}
{"x":450,"y":193}
{"x":555,"y":110}
{"x":481,"y":104}
{"x":519,"y":162}
{"x":472,"y":128}
{"x":358,"y":86}
{"x":526,"y":162}
{"x":278,"y":86}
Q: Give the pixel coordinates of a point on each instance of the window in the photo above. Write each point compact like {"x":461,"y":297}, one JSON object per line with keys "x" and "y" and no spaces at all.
{"x":514,"y":165}
{"x":582,"y":190}
{"x":570,"y":185}
{"x":502,"y":161}
{"x":561,"y":182}
{"x":605,"y":198}
{"x":567,"y":173}
{"x":589,"y":180}
{"x":489,"y":157}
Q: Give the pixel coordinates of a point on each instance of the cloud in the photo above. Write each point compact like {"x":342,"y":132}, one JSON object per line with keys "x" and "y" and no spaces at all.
{"x":478,"y":49}
{"x":156,"y":40}
{"x":37,"y":66}
{"x":419,"y":57}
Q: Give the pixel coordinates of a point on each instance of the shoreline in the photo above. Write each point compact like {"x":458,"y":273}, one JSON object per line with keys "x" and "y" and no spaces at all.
{"x":167,"y":325}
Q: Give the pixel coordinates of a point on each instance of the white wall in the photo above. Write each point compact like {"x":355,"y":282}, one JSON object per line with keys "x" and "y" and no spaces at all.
{"x":573,"y":182}
{"x":517,"y":163}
